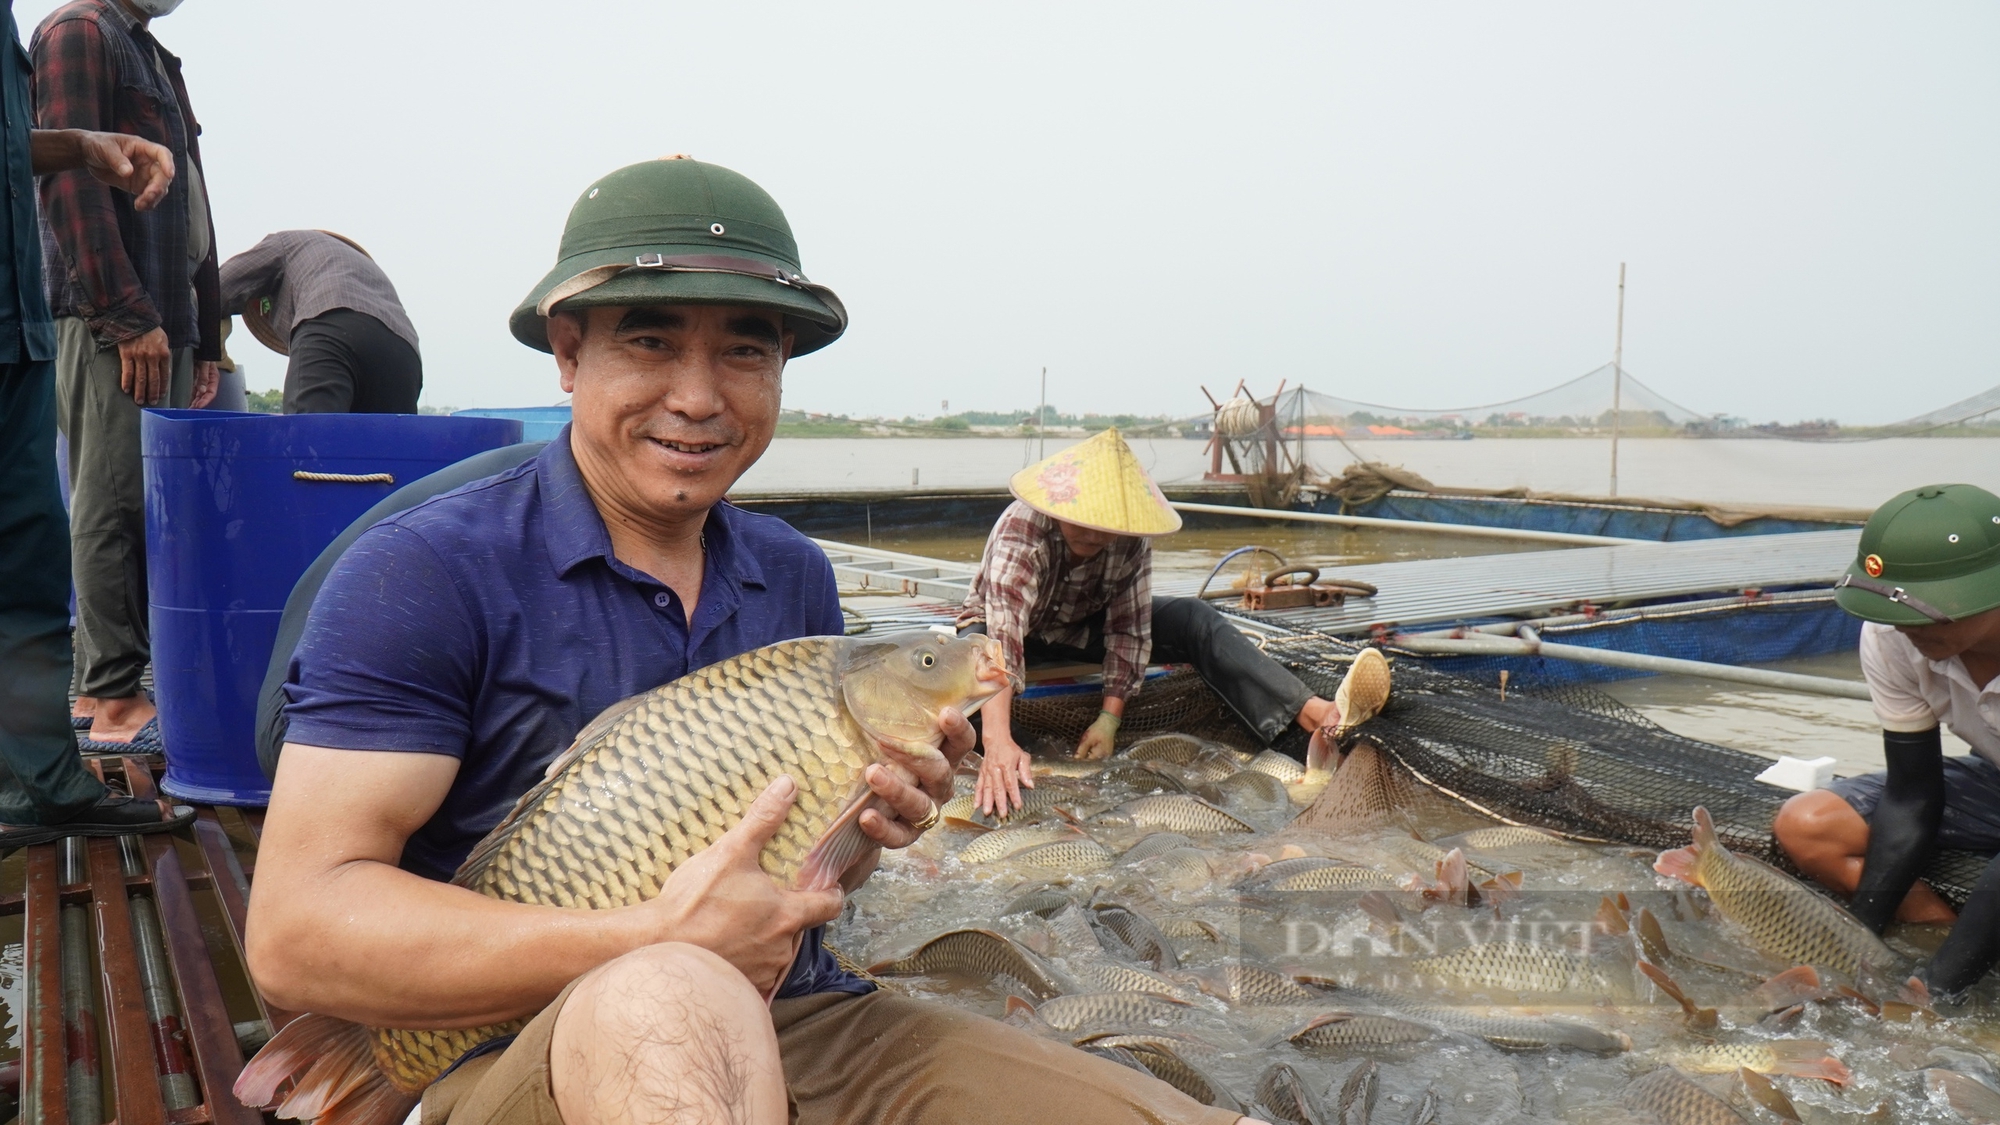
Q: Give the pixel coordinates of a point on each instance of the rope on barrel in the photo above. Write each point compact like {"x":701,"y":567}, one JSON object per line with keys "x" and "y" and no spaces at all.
{"x":344,"y":478}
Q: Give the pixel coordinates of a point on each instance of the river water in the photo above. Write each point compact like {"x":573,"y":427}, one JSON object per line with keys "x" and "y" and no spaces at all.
{"x":1735,"y":471}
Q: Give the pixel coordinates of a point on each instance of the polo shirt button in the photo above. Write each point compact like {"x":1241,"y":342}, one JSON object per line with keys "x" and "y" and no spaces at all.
{"x":661,"y":600}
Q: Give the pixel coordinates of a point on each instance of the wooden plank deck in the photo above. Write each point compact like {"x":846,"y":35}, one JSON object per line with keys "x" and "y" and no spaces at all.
{"x":162,"y":1032}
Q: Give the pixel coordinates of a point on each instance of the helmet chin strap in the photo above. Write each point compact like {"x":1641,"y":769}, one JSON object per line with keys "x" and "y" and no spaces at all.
{"x":1894,"y":594}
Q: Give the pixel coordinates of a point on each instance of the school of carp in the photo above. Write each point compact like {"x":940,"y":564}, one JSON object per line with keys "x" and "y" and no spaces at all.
{"x":1335,"y":942}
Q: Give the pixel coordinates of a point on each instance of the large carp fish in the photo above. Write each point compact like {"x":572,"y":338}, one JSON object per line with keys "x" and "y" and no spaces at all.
{"x":647,"y":785}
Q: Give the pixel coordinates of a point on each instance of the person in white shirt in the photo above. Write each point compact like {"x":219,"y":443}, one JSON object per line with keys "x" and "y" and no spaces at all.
{"x":1927,"y":581}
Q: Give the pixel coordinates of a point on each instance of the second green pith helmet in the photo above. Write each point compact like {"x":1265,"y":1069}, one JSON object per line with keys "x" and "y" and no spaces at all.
{"x":1929,"y":556}
{"x":681,"y":231}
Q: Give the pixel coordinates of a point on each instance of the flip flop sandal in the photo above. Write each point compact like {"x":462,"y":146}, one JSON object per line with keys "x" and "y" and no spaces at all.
{"x":115,"y":814}
{"x":80,"y":723}
{"x":147,"y":741}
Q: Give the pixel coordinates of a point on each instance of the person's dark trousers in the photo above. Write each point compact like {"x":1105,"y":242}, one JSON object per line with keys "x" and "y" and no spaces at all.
{"x":1260,"y":690}
{"x":42,"y":779}
{"x":345,"y":362}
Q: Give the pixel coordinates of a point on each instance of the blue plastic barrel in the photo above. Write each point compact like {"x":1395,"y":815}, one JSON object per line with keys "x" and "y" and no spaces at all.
{"x":232,"y":521}
{"x":538,"y":423}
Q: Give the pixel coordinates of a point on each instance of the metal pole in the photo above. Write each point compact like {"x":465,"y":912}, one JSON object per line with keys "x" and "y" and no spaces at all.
{"x":1618,"y":379}
{"x":170,"y":1052}
{"x":1563,"y":537}
{"x":1042,"y":420}
{"x":79,"y":1003}
{"x":1525,"y":646}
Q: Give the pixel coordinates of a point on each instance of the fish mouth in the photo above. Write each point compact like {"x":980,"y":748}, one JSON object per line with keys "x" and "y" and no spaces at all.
{"x":992,"y":671}
{"x":991,"y":674}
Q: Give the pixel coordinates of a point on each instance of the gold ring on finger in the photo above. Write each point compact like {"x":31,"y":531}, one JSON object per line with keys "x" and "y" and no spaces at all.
{"x":929,"y":819}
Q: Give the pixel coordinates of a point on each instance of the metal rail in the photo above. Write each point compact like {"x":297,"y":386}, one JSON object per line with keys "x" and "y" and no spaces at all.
{"x":896,"y":572}
{"x":1465,"y":529}
{"x":1532,"y":645}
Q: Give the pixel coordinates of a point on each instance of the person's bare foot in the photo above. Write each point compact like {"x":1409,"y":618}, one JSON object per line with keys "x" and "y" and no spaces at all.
{"x":1318,"y":713}
{"x":119,"y":720}
{"x":84,"y":708}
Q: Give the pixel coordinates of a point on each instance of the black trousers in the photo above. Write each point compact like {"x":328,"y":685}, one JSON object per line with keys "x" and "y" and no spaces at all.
{"x":42,"y":779}
{"x":1260,"y":690}
{"x":345,"y":362}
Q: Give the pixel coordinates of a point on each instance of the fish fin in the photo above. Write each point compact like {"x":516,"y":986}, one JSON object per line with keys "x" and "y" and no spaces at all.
{"x":1678,"y":864}
{"x":1652,"y":939}
{"x":843,"y":843}
{"x":373,"y":1103}
{"x":322,"y":1067}
{"x":1321,"y":751}
{"x":1704,"y":830}
{"x":1500,"y":888}
{"x":1760,"y":1090}
{"x":1849,"y":992}
{"x":1808,"y":1058}
{"x":1611,"y":919}
{"x":1667,"y":985}
{"x":1453,"y":877}
{"x":1796,"y":984}
{"x":489,"y":846}
{"x":1379,"y":906}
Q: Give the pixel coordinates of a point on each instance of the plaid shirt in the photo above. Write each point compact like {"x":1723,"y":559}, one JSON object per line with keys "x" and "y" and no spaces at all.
{"x":125,"y":272}
{"x":1029,"y":586}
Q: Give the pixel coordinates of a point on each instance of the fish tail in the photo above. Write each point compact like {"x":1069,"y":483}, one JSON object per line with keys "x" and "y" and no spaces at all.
{"x":323,"y":1070}
{"x":1807,"y":1058}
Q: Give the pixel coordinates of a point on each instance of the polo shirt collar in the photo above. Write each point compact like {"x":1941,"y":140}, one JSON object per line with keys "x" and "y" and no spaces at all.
{"x":574,"y":530}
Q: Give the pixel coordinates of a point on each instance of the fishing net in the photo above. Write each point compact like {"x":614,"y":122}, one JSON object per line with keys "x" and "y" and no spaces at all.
{"x":1564,"y":757}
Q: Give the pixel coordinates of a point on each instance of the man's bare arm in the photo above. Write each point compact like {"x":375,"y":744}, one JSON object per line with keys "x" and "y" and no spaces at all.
{"x":337,"y":928}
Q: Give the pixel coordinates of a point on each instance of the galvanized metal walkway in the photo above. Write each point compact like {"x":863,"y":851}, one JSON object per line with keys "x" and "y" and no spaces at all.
{"x":128,"y":943}
{"x":1437,"y":591}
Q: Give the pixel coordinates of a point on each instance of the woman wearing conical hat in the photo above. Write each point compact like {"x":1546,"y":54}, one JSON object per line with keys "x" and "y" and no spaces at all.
{"x":1067,"y":578}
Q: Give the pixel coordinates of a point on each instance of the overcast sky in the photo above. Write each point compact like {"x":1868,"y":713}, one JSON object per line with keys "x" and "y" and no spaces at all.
{"x":1417,"y":204}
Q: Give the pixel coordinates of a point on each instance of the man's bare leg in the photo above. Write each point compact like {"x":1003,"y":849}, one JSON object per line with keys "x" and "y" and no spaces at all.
{"x":669,"y":1033}
{"x":117,"y":720}
{"x":1317,"y":713}
{"x":1829,"y":841}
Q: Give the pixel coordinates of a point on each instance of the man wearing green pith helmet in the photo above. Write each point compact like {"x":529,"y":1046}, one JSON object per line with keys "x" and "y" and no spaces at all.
{"x":458,"y":646}
{"x":1927,"y":582}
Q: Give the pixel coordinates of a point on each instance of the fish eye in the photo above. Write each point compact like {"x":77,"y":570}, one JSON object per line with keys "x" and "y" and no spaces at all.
{"x":926,"y":659}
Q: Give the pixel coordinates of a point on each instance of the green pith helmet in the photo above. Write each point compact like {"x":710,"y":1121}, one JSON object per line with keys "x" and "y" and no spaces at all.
{"x":1929,"y":556}
{"x":683,"y":231}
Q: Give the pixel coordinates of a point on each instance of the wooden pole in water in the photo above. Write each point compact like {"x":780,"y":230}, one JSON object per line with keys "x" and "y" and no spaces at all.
{"x":1042,"y":420}
{"x":1617,"y":379}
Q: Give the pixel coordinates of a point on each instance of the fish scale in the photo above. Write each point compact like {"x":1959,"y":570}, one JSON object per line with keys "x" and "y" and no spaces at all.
{"x":1671,"y":1098}
{"x":661,"y":775}
{"x":1515,"y":967}
{"x":1178,"y":812}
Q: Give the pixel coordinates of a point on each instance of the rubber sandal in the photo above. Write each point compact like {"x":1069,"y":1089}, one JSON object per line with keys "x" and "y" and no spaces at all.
{"x":80,"y":723}
{"x":114,"y":814}
{"x":147,"y":741}
{"x":1364,"y":691}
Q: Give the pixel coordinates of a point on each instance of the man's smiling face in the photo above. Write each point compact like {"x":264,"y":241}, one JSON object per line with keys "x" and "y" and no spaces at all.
{"x":670,"y":403}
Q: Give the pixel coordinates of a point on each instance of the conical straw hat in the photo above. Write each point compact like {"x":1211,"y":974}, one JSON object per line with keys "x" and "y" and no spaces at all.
{"x":1097,"y":483}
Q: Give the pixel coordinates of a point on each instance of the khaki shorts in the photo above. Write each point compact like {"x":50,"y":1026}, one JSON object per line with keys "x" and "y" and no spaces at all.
{"x":863,"y":1060}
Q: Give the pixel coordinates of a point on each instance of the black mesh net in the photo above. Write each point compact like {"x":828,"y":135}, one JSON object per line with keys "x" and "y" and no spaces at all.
{"x":1568,"y":759}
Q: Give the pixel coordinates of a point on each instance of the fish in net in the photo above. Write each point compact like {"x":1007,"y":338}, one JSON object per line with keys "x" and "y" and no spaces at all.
{"x":1565,"y":758}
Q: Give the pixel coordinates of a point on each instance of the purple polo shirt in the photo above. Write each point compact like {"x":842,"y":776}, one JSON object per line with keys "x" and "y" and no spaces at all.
{"x":492,"y":623}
